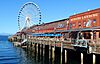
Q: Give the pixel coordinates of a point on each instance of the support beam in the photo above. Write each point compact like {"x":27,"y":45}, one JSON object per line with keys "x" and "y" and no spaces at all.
{"x":57,"y":55}
{"x":63,"y":56}
{"x":46,"y":61}
{"x":38,"y":52}
{"x":35,"y":52}
{"x":73,"y":57}
{"x":41,"y":52}
{"x":97,"y":58}
{"x":87,"y":58}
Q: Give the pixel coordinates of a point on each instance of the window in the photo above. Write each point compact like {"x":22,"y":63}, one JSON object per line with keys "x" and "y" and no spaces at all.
{"x":88,"y":24}
{"x":79,"y":24}
{"x":94,"y":21}
{"x":74,"y":24}
{"x":84,"y":23}
{"x":70,"y":25}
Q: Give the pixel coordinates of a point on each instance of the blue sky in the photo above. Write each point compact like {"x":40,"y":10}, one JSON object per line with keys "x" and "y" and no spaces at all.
{"x":51,"y":10}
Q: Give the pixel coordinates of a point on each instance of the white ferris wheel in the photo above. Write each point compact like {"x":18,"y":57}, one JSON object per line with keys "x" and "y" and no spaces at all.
{"x":29,"y":15}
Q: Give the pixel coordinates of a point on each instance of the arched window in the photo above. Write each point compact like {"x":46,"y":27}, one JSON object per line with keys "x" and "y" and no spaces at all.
{"x":94,"y":22}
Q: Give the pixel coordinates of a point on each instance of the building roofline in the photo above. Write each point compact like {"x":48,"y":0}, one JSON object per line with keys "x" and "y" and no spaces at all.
{"x":51,"y":22}
{"x":78,"y":14}
{"x":55,"y":21}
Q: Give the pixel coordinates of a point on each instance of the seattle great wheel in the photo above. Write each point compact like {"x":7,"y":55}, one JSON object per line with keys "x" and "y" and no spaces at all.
{"x":29,"y":15}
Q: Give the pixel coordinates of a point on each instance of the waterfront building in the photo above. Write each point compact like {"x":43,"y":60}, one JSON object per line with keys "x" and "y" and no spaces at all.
{"x":77,"y":28}
{"x":88,"y":23}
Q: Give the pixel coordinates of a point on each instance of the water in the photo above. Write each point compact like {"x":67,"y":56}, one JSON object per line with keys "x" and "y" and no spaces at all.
{"x":14,"y":55}
{"x":10,"y":54}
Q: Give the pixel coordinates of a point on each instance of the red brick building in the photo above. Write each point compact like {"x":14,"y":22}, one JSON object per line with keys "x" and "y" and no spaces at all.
{"x":88,"y":22}
{"x":86,"y":19}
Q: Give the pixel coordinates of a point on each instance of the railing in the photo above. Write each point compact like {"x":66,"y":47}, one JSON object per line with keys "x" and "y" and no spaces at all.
{"x":92,"y":45}
{"x":80,"y":43}
{"x":49,"y":39}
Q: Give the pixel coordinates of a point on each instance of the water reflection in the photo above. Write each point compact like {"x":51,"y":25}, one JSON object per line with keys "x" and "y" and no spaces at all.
{"x":8,"y":54}
{"x":14,"y":55}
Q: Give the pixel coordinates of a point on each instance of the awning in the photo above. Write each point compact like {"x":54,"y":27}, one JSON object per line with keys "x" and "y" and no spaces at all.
{"x":81,"y":29}
{"x":46,"y":35}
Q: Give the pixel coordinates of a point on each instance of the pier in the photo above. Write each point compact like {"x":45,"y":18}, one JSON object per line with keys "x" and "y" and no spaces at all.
{"x":59,"y":51}
{"x":75,"y":40}
{"x":58,"y":54}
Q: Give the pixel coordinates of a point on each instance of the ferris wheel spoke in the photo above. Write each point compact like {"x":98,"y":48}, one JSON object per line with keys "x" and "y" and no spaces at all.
{"x":23,"y":14}
{"x":35,"y":21}
{"x":22,"y":17}
{"x":34,"y":17}
{"x":37,"y":15}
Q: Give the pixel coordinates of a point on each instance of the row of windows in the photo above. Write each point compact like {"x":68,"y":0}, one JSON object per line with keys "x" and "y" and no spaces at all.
{"x":85,"y":23}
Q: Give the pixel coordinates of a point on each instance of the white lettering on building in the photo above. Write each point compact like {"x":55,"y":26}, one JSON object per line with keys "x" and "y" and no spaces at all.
{"x":84,"y":17}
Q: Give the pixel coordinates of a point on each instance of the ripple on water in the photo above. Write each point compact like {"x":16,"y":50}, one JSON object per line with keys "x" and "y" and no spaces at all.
{"x":10,"y":54}
{"x":15,"y":55}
